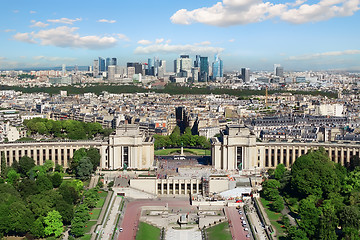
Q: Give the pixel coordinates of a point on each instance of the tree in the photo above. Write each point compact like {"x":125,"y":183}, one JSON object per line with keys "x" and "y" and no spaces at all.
{"x":69,"y":194}
{"x":81,"y":216}
{"x":44,"y":183}
{"x":270,"y":189}
{"x":12,"y":177}
{"x":296,"y":234}
{"x":84,"y":168}
{"x":328,"y":222}
{"x":38,"y":228}
{"x":48,"y":166}
{"x":25,"y":164}
{"x":351,"y":234}
{"x":3,"y":165}
{"x":314,"y":174}
{"x":77,"y":227}
{"x":15,"y":166}
{"x":59,"y":168}
{"x":53,"y":224}
{"x":20,"y":218}
{"x":41,"y":204}
{"x":56,"y":179}
{"x":350,"y":217}
{"x":94,"y":156}
{"x":78,"y":154}
{"x":286,"y":221}
{"x":278,"y":204}
{"x":279,"y":171}
{"x":354,"y":162}
{"x":27,"y":187}
{"x":66,"y":210}
{"x":309,"y":215}
{"x":41,"y":128}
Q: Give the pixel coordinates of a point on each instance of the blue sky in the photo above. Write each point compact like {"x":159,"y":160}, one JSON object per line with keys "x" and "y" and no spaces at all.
{"x":298,"y":34}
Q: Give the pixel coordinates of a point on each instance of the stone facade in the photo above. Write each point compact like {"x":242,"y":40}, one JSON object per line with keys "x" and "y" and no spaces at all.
{"x":127,"y":146}
{"x":238,"y":149}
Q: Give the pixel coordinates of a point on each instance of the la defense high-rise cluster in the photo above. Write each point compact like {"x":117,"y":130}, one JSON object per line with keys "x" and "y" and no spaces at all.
{"x":201,"y":70}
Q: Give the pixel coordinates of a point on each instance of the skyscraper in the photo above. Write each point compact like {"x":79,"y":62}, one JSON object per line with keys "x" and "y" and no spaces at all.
{"x":204,"y":69}
{"x":245,"y":74}
{"x":275,"y":66}
{"x":279,"y":71}
{"x":150,"y":67}
{"x":197,"y":61}
{"x":108,"y":60}
{"x":217,"y":67}
{"x":111,"y":72}
{"x":102,"y":65}
{"x":113,"y":61}
{"x":182,"y":66}
{"x":96,"y":68}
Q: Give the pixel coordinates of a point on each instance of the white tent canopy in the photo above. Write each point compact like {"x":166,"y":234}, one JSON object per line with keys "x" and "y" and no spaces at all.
{"x":236,"y":192}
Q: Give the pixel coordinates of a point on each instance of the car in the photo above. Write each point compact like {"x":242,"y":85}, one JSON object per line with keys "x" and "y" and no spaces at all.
{"x":242,"y":218}
{"x":244,"y":222}
{"x":248,"y":235}
{"x":240,"y":212}
{"x":246,"y":229}
{"x":121,"y":229}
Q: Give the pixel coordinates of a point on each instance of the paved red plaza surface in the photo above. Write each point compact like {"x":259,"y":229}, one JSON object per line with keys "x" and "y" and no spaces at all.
{"x":133,"y":210}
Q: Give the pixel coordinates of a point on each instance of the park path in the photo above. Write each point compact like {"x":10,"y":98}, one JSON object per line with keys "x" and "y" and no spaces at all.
{"x":267,"y":220}
{"x":101,"y":216}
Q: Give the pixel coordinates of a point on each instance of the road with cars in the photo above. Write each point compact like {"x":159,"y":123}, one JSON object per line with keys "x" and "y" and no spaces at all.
{"x":237,"y":227}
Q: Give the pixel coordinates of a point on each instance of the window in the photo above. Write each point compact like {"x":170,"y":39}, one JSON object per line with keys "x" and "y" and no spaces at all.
{"x":126,"y":157}
{"x":239,"y":158}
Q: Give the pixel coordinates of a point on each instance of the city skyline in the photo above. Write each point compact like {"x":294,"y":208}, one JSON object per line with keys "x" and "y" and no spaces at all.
{"x":300,"y":35}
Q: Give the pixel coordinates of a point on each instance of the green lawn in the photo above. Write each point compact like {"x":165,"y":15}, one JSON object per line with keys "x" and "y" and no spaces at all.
{"x":95,"y":214}
{"x":88,"y":225}
{"x":100,"y":203}
{"x":219,"y":232}
{"x":85,"y":237}
{"x":103,"y":194}
{"x":170,"y":151}
{"x":275,"y":218}
{"x":147,"y":232}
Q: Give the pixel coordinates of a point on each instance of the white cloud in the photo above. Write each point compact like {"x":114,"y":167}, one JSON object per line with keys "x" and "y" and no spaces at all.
{"x":2,"y":58}
{"x":53,"y":59}
{"x":15,"y":11}
{"x":32,"y":12}
{"x":64,"y":20}
{"x":324,"y":54}
{"x":204,"y":43}
{"x":24,"y":37}
{"x":240,"y":12}
{"x":123,"y":37}
{"x":144,"y":42}
{"x":66,"y":37}
{"x":159,"y":40}
{"x":232,"y":40}
{"x":106,"y":21}
{"x":9,"y":30}
{"x":38,"y":24}
{"x":177,"y":49}
{"x":168,"y":41}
